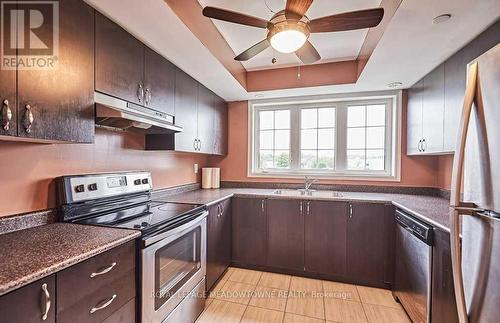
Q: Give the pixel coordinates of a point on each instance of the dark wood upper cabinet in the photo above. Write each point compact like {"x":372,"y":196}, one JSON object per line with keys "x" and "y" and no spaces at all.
{"x":119,"y":61}
{"x":221,"y":127}
{"x":285,"y":236}
{"x":326,"y":237}
{"x":58,"y":104}
{"x":8,"y":104}
{"x":218,"y":241}
{"x":370,"y":244}
{"x":186,"y":111}
{"x":159,"y":82}
{"x":444,"y":308}
{"x":29,"y":304}
{"x":206,"y":118}
{"x":249,"y":234}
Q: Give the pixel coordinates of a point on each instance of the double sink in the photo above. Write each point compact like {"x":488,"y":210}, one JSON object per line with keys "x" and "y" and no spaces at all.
{"x":307,"y":193}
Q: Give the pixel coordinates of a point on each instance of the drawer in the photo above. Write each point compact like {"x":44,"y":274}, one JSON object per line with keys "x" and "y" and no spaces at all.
{"x":86,"y":278}
{"x":101,"y":304}
{"x":125,"y":314}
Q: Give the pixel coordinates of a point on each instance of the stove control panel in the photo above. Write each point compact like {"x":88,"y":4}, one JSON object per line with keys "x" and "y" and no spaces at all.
{"x":89,"y":187}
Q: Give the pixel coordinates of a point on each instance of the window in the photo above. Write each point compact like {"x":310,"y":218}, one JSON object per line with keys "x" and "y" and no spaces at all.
{"x":341,"y":138}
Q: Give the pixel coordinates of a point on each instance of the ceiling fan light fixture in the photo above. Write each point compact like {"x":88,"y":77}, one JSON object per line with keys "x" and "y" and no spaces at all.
{"x":287,"y":38}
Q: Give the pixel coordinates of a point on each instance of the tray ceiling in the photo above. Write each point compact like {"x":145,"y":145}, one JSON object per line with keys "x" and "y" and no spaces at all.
{"x":338,"y":46}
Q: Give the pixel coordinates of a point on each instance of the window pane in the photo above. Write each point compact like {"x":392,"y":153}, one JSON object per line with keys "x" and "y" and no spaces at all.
{"x":326,"y":118}
{"x":375,"y":159}
{"x":282,"y":139}
{"x":266,"y":139}
{"x":356,"y":138}
{"x":282,"y":159}
{"x":356,"y":116}
{"x":326,"y":159}
{"x":356,"y":159}
{"x":375,"y":115}
{"x":375,"y":137}
{"x":282,"y":119}
{"x":266,"y":159}
{"x":266,"y":120}
{"x":308,"y":159}
{"x":326,"y":138}
{"x":308,"y":118}
{"x":308,"y":139}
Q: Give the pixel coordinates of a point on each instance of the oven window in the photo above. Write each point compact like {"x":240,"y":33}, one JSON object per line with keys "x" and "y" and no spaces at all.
{"x":175,"y":264}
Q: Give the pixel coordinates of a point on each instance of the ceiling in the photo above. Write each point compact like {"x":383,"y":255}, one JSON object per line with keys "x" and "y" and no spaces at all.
{"x":410,"y":47}
{"x":338,"y":46}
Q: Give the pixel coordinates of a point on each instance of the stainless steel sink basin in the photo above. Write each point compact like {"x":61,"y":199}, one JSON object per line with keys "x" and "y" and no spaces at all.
{"x":307,"y":193}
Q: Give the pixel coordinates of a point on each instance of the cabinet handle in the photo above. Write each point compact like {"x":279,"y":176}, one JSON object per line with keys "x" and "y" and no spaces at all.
{"x":148,"y":96}
{"x":262,"y":205}
{"x":140,"y":92}
{"x":6,"y":115}
{"x":28,"y":118}
{"x":199,"y":144}
{"x":218,"y":210}
{"x":103,"y":271}
{"x":46,"y":303}
{"x":424,"y":145}
{"x":419,"y":145}
{"x":350,"y":211}
{"x":308,"y":208}
{"x":301,"y":208}
{"x":103,"y":305}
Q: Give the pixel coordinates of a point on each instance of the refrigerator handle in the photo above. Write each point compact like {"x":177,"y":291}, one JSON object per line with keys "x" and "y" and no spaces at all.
{"x":456,"y":185}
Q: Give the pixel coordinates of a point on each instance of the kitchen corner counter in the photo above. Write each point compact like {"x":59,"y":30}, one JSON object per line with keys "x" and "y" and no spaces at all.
{"x":31,"y":254}
{"x":431,"y":209}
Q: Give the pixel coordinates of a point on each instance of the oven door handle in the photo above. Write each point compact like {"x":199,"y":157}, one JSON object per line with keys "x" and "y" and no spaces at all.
{"x":175,"y":231}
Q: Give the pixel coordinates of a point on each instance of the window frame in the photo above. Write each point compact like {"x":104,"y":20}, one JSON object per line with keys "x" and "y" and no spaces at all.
{"x":392,"y":162}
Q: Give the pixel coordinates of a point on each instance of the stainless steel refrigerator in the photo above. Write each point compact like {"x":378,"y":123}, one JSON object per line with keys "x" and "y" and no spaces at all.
{"x":475,"y":196}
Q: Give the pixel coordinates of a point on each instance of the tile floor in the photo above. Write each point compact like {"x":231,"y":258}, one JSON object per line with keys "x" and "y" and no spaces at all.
{"x":250,"y":296}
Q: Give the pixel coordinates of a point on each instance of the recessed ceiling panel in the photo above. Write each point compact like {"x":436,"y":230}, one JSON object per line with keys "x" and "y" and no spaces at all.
{"x":337,"y":46}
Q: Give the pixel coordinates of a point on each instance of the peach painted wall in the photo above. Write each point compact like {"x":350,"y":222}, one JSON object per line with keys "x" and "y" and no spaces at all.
{"x":415,"y":170}
{"x":27,"y":170}
{"x":445,"y":168}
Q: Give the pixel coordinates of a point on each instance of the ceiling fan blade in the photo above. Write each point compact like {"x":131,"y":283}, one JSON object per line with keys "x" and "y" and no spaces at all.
{"x":347,"y":21}
{"x":307,"y":53}
{"x":296,"y":9}
{"x":252,"y":51}
{"x":234,"y":17}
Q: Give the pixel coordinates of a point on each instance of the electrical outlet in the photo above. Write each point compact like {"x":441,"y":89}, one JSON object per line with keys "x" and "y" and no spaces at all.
{"x":196,"y":168}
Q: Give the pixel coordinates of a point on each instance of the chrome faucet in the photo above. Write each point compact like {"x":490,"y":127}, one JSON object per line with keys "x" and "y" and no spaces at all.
{"x":307,"y":184}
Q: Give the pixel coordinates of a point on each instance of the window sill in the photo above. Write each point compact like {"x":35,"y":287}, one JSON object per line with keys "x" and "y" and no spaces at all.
{"x":339,"y":177}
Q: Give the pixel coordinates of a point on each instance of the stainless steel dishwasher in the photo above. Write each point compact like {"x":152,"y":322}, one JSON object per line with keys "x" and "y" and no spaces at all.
{"x":412,"y":284}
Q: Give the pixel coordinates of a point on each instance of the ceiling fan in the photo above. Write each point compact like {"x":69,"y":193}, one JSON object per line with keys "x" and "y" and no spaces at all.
{"x":288,"y":30}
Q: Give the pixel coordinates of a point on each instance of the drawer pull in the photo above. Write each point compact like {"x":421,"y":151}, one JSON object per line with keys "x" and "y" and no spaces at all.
{"x":46,"y":304}
{"x":103,"y":305}
{"x":103,"y":271}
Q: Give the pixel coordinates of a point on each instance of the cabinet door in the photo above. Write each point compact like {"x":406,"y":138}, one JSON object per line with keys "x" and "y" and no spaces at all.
{"x":186,"y":111}
{"x":433,"y":111}
{"x":159,"y":82}
{"x":28,"y":304}
{"x":213,"y":232}
{"x":249,"y":234}
{"x":8,"y":104}
{"x":61,"y":99}
{"x":370,"y":239}
{"x":224,"y":254}
{"x":221,"y":127}
{"x":285,"y":236}
{"x":326,"y":238}
{"x":444,"y":308}
{"x":414,"y":119}
{"x":119,"y":61}
{"x":206,"y":118}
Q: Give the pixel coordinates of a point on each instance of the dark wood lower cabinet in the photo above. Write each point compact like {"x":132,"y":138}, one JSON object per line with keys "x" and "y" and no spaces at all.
{"x":249,"y":234}
{"x":444,"y":307}
{"x":285,"y":234}
{"x":370,"y":244}
{"x":218,"y":241}
{"x":326,"y":237}
{"x":28,"y":304}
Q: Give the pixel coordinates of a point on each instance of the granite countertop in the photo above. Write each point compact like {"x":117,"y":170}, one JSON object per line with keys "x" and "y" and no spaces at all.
{"x":31,"y":254}
{"x":431,"y":209}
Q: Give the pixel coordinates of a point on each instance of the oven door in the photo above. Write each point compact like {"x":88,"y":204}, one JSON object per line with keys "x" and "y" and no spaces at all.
{"x":172,"y":267}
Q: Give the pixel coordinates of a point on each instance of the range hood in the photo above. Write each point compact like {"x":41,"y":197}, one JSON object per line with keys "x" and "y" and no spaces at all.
{"x":116,"y":113}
